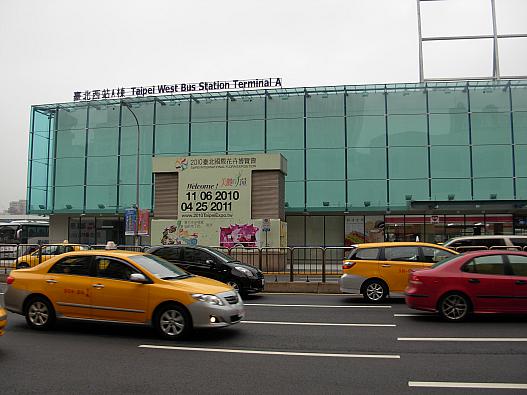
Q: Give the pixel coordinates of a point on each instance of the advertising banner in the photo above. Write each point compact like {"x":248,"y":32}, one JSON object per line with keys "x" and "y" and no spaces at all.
{"x":143,"y":224}
{"x":130,"y":221}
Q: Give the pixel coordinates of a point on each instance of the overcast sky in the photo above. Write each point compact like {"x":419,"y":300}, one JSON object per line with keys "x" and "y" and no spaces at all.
{"x":49,"y":49}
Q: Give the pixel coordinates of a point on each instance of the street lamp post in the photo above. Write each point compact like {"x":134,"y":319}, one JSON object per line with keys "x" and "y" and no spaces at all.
{"x":136,"y":236}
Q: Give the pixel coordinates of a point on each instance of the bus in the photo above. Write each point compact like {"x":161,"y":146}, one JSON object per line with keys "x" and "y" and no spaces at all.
{"x":21,"y":232}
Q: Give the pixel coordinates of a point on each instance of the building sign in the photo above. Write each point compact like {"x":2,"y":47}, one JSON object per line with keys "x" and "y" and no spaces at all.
{"x":177,"y":88}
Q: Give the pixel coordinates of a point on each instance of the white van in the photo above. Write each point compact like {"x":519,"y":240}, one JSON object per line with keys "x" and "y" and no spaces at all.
{"x":491,"y":242}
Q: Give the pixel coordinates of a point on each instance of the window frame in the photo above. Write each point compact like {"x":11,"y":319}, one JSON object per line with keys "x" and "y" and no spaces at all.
{"x":90,"y":266}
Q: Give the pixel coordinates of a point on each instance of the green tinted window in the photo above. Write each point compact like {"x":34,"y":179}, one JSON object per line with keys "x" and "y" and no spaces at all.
{"x":520,"y":159}
{"x":407,"y":102}
{"x":450,"y":162}
{"x":399,"y":189}
{"x":449,"y":129}
{"x":294,"y":194}
{"x":332,"y":192}
{"x":325,"y":164}
{"x":491,"y":128}
{"x":208,"y":138}
{"x":447,"y":101}
{"x":246,"y":136}
{"x":365,"y":103}
{"x":373,"y":191}
{"x":367,"y":131}
{"x":484,"y":187}
{"x":325,"y":105}
{"x":520,"y":127}
{"x":285,"y":133}
{"x":408,"y":162}
{"x":407,"y":130}
{"x":489,"y":99}
{"x":485,"y":159}
{"x":172,"y":139}
{"x":442,"y":188}
{"x":325,"y":133}
{"x":367,"y":163}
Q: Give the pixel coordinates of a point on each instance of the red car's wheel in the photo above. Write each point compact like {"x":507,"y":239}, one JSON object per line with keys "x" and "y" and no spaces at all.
{"x":454,"y":307}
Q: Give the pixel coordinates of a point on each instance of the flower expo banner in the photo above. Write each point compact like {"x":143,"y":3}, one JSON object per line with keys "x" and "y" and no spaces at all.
{"x":214,"y":199}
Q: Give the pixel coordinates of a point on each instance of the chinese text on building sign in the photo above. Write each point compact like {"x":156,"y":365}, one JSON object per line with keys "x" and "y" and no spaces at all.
{"x":163,"y":89}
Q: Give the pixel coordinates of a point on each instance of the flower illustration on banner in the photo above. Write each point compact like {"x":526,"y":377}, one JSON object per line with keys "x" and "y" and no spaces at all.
{"x":182,"y":164}
{"x":239,"y":236}
{"x":176,"y":234}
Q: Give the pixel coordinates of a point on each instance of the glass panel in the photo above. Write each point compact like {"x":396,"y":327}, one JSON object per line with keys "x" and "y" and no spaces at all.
{"x":246,"y":136}
{"x":209,"y":110}
{"x":519,"y":98}
{"x":69,"y":171}
{"x":460,"y":188}
{"x":449,"y":129}
{"x":285,"y":106}
{"x":72,"y":119}
{"x":103,"y":142}
{"x":285,"y":133}
{"x":485,"y":187}
{"x":401,"y":254}
{"x":127,"y":196}
{"x":247,"y":108}
{"x":407,"y":102}
{"x":521,"y":188}
{"x":332,"y":192}
{"x":71,"y":144}
{"x":318,"y":164}
{"x":129,"y":139}
{"x":486,"y":158}
{"x":399,"y":189}
{"x":408,"y":162}
{"x":498,"y":224}
{"x":491,"y":128}
{"x":38,"y":197}
{"x":414,"y":228}
{"x":365,"y":103}
{"x":434,"y":233}
{"x":144,"y":111}
{"x":489,"y":99}
{"x":325,"y":105}
{"x":394,"y":228}
{"x":294,"y":194}
{"x":295,"y":230}
{"x":208,"y":138}
{"x":372,"y":191}
{"x":407,"y":130}
{"x":447,"y":101}
{"x":520,"y":127}
{"x":105,"y":195}
{"x":325,"y":132}
{"x":40,"y":122}
{"x":175,"y":111}
{"x":73,"y":196}
{"x":315,"y":231}
{"x":520,"y":157}
{"x":369,"y":131}
{"x":102,"y":171}
{"x":334,"y":230}
{"x":104,"y":116}
{"x":172,"y":139}
{"x":40,"y":146}
{"x":367,"y":163}
{"x":450,"y":162}
{"x":128,"y":169}
{"x":39,"y":174}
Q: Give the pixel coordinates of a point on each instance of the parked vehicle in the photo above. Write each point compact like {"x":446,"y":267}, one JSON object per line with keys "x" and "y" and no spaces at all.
{"x":3,"y":320}
{"x":212,"y":263}
{"x":377,"y":270}
{"x":475,"y":282}
{"x":45,"y":252}
{"x":121,"y":286}
{"x":472,"y":243}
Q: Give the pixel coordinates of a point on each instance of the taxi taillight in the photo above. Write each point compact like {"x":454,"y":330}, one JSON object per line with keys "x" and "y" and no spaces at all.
{"x":10,"y":280}
{"x":347,"y":265}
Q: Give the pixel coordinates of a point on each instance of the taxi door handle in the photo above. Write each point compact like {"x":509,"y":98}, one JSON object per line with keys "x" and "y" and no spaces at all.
{"x":473,"y":280}
{"x":386,"y":265}
{"x":51,"y":281}
{"x":521,"y":282}
{"x":98,"y":286}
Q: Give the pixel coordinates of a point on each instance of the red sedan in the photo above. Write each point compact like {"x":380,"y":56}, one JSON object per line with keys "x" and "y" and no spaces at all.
{"x":475,"y":282}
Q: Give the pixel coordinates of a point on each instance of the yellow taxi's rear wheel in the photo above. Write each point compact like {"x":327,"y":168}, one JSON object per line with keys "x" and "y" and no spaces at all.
{"x":172,"y":322}
{"x":375,"y":291}
{"x":39,"y":313}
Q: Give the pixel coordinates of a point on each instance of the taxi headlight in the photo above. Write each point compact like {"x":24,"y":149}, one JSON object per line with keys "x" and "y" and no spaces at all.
{"x":244,"y":270}
{"x":212,"y":299}
{"x":3,"y":317}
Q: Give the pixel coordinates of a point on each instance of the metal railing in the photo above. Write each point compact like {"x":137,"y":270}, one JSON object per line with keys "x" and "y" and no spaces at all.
{"x":282,"y":264}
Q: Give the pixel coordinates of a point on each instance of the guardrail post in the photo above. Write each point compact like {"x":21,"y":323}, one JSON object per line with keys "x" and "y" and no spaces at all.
{"x":324,"y":264}
{"x":260,"y":258}
{"x":291,"y":273}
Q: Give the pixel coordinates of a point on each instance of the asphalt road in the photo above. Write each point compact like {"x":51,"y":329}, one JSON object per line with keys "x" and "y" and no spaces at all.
{"x":309,"y":344}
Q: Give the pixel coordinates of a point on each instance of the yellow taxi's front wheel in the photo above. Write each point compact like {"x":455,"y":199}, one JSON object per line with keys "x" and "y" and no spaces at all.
{"x":39,"y":313}
{"x":172,"y":322}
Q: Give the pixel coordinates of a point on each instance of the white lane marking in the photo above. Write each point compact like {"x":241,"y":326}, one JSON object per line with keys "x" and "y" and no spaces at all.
{"x":412,"y":315}
{"x":319,"y":306}
{"x":262,"y":352}
{"x":314,"y":324}
{"x":463,"y":339}
{"x":447,"y":384}
{"x":306,"y":293}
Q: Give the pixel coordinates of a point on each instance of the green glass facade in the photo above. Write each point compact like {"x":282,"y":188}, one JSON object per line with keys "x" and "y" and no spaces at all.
{"x":349,"y":148}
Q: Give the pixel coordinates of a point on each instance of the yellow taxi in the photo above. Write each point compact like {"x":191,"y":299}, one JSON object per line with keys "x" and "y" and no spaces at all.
{"x":377,"y":270}
{"x":46,"y":252}
{"x":121,"y":286}
{"x":3,"y":320}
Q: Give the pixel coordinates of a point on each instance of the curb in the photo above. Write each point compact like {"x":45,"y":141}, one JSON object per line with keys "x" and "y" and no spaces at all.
{"x":302,"y":287}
